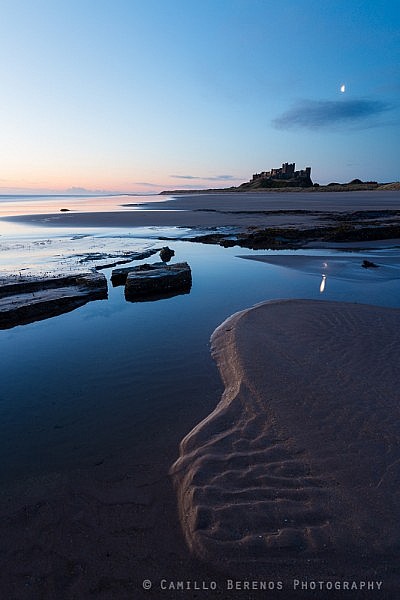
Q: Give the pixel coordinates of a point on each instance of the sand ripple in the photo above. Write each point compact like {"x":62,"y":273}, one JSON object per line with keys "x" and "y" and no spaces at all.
{"x":301,"y":458}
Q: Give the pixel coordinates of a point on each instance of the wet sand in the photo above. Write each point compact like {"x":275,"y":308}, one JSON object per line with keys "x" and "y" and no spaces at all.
{"x":225,"y":209}
{"x":297,"y":468}
{"x":99,"y":532}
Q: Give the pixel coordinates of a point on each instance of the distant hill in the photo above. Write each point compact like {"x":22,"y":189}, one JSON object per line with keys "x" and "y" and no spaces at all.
{"x":271,"y":183}
{"x":390,"y":186}
{"x":294,"y":185}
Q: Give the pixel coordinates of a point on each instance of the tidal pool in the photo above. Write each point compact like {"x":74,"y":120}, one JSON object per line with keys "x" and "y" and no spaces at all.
{"x":84,"y":386}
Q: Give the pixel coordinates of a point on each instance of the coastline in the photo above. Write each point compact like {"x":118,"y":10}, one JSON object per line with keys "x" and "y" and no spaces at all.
{"x":120,"y":510}
{"x":261,"y":220}
{"x":332,"y":187}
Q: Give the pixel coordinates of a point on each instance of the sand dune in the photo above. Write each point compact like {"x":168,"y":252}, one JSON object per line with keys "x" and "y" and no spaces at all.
{"x":300,"y":461}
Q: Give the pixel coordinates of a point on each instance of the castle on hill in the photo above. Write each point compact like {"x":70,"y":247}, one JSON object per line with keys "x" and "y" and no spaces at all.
{"x":286,"y":173}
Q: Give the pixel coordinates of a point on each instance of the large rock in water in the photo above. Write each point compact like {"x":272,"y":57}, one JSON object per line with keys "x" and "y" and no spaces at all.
{"x":157,"y":280}
{"x":24,"y":299}
{"x":119,"y":276}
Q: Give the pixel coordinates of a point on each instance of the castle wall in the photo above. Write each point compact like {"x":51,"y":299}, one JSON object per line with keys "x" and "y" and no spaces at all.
{"x":287,"y":171}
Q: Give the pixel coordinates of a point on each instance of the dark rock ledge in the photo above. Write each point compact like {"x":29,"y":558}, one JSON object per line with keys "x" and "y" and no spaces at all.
{"x":24,"y":299}
{"x":293,"y":237}
{"x":107,"y":261}
{"x":153,"y":282}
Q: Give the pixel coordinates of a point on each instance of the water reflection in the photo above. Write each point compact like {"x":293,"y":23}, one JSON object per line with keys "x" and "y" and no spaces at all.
{"x":322,"y":284}
{"x":131,"y":297}
{"x":96,"y":369}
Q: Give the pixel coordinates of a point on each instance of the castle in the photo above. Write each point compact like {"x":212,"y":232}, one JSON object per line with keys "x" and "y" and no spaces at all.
{"x":286,"y":172}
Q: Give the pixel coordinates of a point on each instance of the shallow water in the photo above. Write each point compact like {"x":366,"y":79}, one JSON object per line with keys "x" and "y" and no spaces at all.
{"x":84,"y":386}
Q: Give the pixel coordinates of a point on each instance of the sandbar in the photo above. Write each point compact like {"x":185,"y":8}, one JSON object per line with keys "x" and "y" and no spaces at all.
{"x":298,"y":466}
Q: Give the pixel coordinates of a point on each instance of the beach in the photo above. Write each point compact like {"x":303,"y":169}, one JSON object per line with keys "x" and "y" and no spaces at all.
{"x":199,"y":300}
{"x":221,"y":210}
{"x":139,"y":465}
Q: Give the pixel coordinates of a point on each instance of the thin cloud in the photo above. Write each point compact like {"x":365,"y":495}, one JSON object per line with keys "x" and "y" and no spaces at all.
{"x":149,"y":184}
{"x":185,"y":177}
{"x":318,"y":114}
{"x":216,"y":178}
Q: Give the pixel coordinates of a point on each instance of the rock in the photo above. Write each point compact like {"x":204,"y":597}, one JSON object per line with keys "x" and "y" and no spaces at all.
{"x":166,"y":254}
{"x":367,"y":264}
{"x":157,"y":281}
{"x":103,"y":258}
{"x":64,"y":210}
{"x":24,"y":299}
{"x":119,"y":276}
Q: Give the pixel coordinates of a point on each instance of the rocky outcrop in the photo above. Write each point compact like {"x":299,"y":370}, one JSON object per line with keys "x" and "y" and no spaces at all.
{"x":166,"y":254}
{"x":119,"y":276}
{"x":24,"y":299}
{"x":157,"y":281}
{"x":105,"y":260}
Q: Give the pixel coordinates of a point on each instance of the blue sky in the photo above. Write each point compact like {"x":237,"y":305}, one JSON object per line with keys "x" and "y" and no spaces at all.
{"x":141,"y":96}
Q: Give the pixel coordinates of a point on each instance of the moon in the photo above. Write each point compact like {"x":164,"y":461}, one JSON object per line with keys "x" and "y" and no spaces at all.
{"x":343,"y":88}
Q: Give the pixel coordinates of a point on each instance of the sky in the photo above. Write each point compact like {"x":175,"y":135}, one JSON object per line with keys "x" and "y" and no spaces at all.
{"x":147,"y":95}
